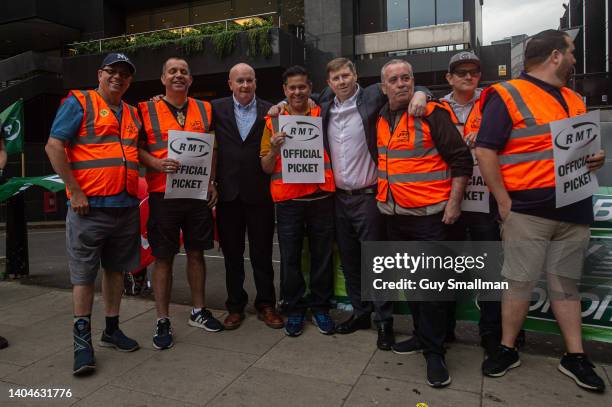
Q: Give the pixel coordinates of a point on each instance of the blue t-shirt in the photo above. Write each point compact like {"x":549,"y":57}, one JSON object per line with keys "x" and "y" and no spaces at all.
{"x":65,"y":127}
{"x":495,"y":129}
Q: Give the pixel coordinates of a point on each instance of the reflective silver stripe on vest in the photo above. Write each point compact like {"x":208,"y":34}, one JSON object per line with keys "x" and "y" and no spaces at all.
{"x":275,"y":124}
{"x":157,"y":135}
{"x":417,"y":152}
{"x":106,"y":139}
{"x":530,"y":131}
{"x":278,"y":175}
{"x":202,"y":110}
{"x":102,"y":163}
{"x":419,"y":177}
{"x":89,"y":115}
{"x":525,"y":157}
{"x":382,"y":174}
{"x":522,"y":107}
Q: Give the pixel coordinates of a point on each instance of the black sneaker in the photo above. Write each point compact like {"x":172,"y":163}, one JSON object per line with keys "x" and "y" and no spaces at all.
{"x":502,"y":360}
{"x":204,"y":319}
{"x":3,"y":342}
{"x":437,"y":372}
{"x":580,"y":368}
{"x":119,"y":341}
{"x":163,"y":335}
{"x":84,"y":360}
{"x":408,"y":347}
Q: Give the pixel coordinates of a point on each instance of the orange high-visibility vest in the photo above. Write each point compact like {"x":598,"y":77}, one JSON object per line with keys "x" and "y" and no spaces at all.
{"x":283,"y":192}
{"x":527,"y":162}
{"x":104,"y":155}
{"x":472,"y":123}
{"x":411,"y":172}
{"x":158,"y":120}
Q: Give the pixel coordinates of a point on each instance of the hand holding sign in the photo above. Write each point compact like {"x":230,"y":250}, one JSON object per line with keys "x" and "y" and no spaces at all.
{"x":596,"y":161}
{"x":276,"y":142}
{"x":168,"y":165}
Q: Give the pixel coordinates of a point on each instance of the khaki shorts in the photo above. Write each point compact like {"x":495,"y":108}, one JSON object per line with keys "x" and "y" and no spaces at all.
{"x":533,"y":245}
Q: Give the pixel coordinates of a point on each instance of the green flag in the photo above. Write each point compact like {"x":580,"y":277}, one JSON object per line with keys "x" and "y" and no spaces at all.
{"x":16,"y":185}
{"x":11,"y":120}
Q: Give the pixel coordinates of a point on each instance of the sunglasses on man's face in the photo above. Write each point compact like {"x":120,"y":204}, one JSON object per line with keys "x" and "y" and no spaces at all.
{"x":462,"y":73}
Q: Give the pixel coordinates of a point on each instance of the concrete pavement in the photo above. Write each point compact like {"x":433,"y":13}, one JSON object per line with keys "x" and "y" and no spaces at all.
{"x":251,"y":366}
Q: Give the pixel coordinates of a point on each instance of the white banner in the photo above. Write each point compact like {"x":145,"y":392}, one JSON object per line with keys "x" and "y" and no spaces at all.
{"x":194,"y":151}
{"x":574,"y":141}
{"x":476,"y":196}
{"x":302,"y":152}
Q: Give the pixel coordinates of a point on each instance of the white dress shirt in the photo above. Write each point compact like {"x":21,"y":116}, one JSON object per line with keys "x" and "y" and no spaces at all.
{"x":351,"y":160}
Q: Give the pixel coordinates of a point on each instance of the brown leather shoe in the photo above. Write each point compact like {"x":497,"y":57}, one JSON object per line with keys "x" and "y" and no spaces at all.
{"x":233,"y":320}
{"x":270,"y":317}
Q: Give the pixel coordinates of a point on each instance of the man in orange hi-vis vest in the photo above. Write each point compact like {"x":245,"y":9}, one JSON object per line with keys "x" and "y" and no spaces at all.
{"x":423,"y":168}
{"x":515,"y":153}
{"x":168,"y":217}
{"x":301,"y":209}
{"x":93,"y":148}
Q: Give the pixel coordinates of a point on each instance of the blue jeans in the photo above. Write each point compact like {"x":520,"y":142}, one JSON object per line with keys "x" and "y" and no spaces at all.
{"x":295,"y":220}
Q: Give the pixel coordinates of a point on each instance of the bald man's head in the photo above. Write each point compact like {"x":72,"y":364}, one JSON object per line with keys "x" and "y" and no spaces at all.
{"x":242,"y":83}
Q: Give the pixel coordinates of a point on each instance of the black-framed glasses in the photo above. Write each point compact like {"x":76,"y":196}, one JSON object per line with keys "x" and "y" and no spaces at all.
{"x":113,"y":72}
{"x":462,"y":73}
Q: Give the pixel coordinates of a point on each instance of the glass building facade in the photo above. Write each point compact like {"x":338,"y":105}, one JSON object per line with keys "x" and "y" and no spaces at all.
{"x":389,"y":15}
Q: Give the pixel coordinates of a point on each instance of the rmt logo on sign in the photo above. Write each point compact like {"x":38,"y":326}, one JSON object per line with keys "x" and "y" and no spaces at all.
{"x":302,"y":131}
{"x":197,"y":148}
{"x":577,"y":136}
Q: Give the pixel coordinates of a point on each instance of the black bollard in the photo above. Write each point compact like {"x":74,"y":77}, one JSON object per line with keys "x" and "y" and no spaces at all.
{"x":17,"y":263}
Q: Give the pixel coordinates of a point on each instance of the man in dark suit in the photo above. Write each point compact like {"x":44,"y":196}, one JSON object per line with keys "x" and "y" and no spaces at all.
{"x":244,"y":202}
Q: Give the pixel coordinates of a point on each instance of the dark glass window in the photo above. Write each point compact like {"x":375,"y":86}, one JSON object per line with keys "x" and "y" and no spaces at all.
{"x":372,"y":16}
{"x":449,"y":11}
{"x":397,"y":14}
{"x":422,"y":12}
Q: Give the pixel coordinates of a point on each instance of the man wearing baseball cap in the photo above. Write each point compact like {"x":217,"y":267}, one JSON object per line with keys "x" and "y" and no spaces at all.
{"x":93,"y":148}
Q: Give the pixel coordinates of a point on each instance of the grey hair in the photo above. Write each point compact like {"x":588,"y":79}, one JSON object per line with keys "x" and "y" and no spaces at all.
{"x":393,"y":62}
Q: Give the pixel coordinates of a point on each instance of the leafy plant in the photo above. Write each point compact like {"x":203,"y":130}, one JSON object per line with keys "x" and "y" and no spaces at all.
{"x":191,"y":40}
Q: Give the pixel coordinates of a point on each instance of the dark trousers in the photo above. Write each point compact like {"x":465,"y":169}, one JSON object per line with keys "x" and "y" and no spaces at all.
{"x":297,"y":219}
{"x":429,"y":317}
{"x":233,"y":219}
{"x":358,"y":219}
{"x":480,"y":227}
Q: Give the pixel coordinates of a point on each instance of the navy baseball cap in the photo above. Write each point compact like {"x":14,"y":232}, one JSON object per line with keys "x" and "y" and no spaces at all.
{"x":116,"y":57}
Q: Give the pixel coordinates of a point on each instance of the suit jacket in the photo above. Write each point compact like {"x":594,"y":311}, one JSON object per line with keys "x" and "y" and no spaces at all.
{"x":370,"y":101}
{"x":239,"y":172}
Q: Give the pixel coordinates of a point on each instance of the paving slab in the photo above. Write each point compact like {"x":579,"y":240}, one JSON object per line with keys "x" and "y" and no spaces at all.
{"x":337,"y":358}
{"x":38,"y":308}
{"x":56,"y":370}
{"x":537,"y":382}
{"x":6,"y":400}
{"x":268,"y":388}
{"x":8,"y":368}
{"x":371,"y":391}
{"x":12,"y":293}
{"x":117,"y":396}
{"x":32,"y":343}
{"x":241,"y":339}
{"x":463,"y":362}
{"x":188,"y":373}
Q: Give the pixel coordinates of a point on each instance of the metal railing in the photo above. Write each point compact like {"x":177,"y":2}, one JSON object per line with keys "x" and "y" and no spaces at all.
{"x":180,"y":31}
